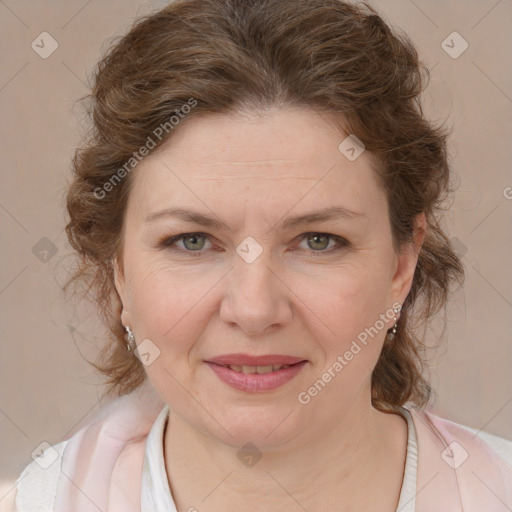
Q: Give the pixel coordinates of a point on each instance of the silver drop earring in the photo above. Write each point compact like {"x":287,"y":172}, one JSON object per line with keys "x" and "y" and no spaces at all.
{"x":391,"y":334}
{"x":130,"y":339}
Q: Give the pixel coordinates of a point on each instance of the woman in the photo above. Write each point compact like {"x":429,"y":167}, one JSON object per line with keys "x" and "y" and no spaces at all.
{"x":257,"y":210}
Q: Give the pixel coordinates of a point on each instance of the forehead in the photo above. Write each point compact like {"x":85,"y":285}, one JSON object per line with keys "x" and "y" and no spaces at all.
{"x":280,"y":154}
{"x":300,"y":135}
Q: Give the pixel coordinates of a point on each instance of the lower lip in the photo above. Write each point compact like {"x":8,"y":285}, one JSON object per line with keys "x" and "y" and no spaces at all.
{"x":255,"y":382}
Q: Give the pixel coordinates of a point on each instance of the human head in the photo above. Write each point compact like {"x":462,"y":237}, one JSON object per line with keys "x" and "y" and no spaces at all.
{"x":228,"y":56}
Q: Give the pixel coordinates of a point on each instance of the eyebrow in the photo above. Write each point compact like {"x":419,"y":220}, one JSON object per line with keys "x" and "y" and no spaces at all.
{"x":332,"y":213}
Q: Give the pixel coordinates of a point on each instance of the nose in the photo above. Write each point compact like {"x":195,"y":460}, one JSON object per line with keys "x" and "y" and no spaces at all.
{"x":255,"y":299}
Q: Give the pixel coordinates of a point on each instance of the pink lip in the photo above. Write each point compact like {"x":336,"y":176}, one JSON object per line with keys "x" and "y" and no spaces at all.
{"x":247,"y":360}
{"x":254,"y":382}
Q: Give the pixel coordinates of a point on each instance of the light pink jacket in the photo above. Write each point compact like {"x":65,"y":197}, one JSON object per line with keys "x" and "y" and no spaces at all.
{"x":102,"y":463}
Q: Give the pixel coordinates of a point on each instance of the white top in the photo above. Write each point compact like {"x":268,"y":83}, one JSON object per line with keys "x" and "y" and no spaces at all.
{"x":156,"y":494}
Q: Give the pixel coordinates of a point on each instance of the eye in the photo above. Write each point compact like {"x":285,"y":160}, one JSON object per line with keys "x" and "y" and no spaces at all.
{"x":318,"y":242}
{"x":193,"y":243}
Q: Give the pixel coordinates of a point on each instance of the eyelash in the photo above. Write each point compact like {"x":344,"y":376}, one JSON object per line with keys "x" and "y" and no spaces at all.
{"x":167,"y":243}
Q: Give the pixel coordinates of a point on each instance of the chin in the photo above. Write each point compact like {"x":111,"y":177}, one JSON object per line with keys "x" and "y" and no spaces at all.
{"x":262,"y":426}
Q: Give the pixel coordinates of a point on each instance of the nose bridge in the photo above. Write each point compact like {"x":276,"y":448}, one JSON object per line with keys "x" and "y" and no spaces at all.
{"x":255,"y":299}
{"x":253,"y":278}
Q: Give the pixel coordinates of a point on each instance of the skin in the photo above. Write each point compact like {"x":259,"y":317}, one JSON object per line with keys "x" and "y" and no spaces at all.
{"x":251,"y":171}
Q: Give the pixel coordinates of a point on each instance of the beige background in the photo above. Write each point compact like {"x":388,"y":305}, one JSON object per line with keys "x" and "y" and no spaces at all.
{"x":46,"y":388}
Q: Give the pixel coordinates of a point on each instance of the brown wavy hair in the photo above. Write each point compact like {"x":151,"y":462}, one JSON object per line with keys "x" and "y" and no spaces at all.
{"x":228,"y":55}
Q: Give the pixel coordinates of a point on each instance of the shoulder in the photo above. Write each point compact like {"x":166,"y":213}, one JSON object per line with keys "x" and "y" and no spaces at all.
{"x":461,"y":465}
{"x":92,"y":459}
{"x":463,"y":462}
{"x":37,"y":484}
{"x":486,"y":444}
{"x":500,"y":445}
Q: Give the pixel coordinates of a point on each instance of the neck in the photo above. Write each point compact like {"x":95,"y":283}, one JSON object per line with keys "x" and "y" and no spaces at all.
{"x":326,"y":468}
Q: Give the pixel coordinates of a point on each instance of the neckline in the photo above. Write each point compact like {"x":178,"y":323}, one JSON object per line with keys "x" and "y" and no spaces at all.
{"x":156,"y":494}
{"x":407,"y":500}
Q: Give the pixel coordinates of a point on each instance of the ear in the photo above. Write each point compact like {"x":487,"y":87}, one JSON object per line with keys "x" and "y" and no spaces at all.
{"x":407,"y":261}
{"x":120,"y":284}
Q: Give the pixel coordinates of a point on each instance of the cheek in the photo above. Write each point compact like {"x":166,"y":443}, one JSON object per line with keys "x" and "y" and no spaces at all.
{"x":166,"y":304}
{"x":353,"y":296}
{"x":168,"y":310}
{"x":349,"y":306}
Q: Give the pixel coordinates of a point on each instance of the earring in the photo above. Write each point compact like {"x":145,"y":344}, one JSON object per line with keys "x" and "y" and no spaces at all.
{"x":130,"y":339}
{"x":391,"y":334}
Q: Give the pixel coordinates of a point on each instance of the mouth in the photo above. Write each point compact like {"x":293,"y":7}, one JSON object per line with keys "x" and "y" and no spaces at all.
{"x":260,"y":370}
{"x":256,"y":374}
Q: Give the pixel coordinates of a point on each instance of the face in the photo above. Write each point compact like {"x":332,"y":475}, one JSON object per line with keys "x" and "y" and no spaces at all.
{"x":251,"y":273}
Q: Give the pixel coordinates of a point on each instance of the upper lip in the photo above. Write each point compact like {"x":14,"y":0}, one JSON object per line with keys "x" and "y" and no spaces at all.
{"x":248,"y":360}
